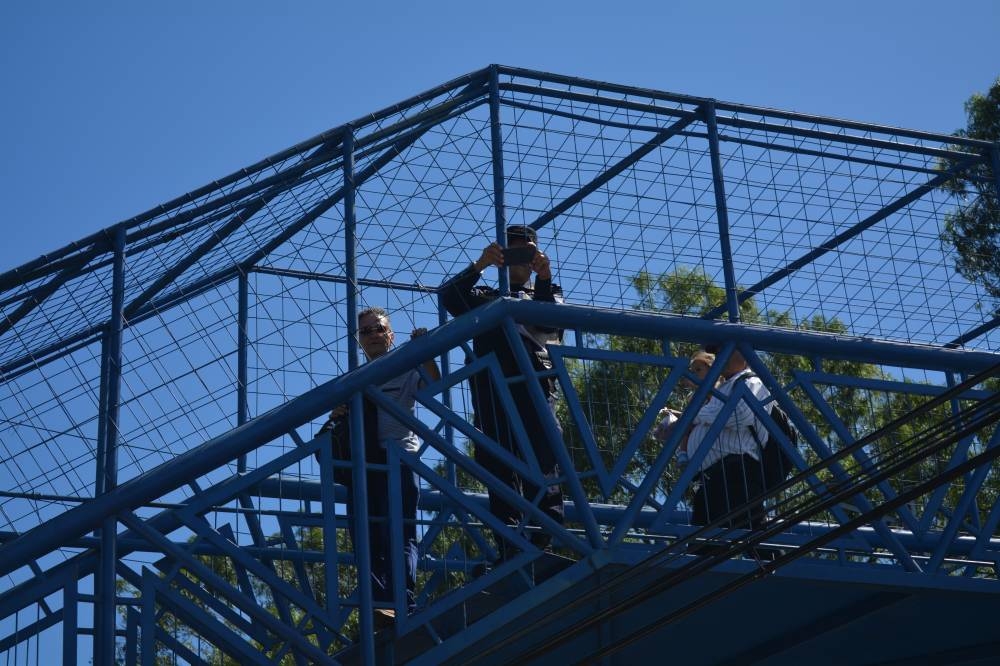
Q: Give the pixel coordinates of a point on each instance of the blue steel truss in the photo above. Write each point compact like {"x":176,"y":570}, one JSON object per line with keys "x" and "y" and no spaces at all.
{"x":161,"y":382}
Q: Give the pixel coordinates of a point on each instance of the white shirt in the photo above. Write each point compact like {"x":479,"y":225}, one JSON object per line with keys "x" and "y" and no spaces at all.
{"x":735,"y":437}
{"x":401,"y":389}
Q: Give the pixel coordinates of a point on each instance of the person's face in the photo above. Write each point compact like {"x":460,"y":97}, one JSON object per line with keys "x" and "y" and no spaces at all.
{"x":699,"y":368}
{"x":520,"y":273}
{"x":375,"y":335}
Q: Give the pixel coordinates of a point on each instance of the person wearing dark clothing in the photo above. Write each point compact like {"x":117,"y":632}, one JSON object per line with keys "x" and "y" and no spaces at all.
{"x":460,"y":294}
{"x":381,"y":431}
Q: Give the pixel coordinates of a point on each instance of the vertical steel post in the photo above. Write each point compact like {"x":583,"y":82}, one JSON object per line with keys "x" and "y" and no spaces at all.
{"x":242,"y":346}
{"x":396,"y":532}
{"x":107,"y":461}
{"x":131,"y":637}
{"x":362,"y":546}
{"x":721,"y":212}
{"x":70,"y":620}
{"x":147,"y":619}
{"x":328,"y":511}
{"x":496,"y":142}
{"x":449,"y":430}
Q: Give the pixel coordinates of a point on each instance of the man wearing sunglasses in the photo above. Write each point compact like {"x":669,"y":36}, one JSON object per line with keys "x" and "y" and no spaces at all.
{"x":382,"y":430}
{"x":460,"y":294}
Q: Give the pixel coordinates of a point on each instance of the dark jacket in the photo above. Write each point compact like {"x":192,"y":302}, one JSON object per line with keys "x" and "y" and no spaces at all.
{"x":339,"y":438}
{"x":460,"y":295}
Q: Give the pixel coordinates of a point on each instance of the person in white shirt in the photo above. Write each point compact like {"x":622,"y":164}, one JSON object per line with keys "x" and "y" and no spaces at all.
{"x":699,"y":366}
{"x":730,"y":473}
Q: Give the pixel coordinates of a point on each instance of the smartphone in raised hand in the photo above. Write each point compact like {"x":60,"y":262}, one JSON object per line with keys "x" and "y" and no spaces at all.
{"x":520,"y":254}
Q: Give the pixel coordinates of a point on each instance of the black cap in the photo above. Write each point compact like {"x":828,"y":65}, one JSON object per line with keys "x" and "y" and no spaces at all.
{"x":521,"y":232}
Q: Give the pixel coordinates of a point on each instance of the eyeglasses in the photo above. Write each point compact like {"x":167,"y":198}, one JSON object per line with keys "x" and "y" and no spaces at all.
{"x":374,"y":328}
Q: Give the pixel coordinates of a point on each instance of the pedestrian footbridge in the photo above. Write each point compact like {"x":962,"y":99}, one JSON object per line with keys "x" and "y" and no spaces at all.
{"x":166,"y":497}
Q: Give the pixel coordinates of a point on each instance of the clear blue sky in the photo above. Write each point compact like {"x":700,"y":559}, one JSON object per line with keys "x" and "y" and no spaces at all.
{"x":110,"y":108}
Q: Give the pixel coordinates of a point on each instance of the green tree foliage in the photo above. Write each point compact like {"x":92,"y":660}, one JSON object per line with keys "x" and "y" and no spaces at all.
{"x":974,"y":228}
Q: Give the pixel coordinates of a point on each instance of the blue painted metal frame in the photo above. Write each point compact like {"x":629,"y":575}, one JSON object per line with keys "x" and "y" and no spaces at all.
{"x":608,"y":479}
{"x":965,"y":502}
{"x":464,"y":462}
{"x":242,"y":354}
{"x":762,"y":569}
{"x":131,"y":638}
{"x":721,"y":212}
{"x":342,"y":279}
{"x":25,"y":633}
{"x":842,"y":432}
{"x":808,"y":380}
{"x":824,"y":452}
{"x":242,"y":578}
{"x":204,"y":624}
{"x":202,"y":596}
{"x":312,"y":446}
{"x":528,"y":464}
{"x":217,"y":238}
{"x":70,"y":621}
{"x":359,"y":479}
{"x":107,"y":456}
{"x":232,"y":594}
{"x":313,"y":403}
{"x":104,"y":510}
{"x":420,"y":124}
{"x":328,"y":502}
{"x":37,"y":296}
{"x":583,"y":83}
{"x":147,"y":621}
{"x":445,"y":364}
{"x":551,"y":432}
{"x":496,"y":149}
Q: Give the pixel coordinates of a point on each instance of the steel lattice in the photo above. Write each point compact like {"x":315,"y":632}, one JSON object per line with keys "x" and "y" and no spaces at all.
{"x":827,"y":232}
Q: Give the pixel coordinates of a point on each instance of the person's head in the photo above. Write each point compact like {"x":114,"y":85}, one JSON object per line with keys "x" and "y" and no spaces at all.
{"x":517,"y":236}
{"x":698,"y":366}
{"x":374,"y":332}
{"x":735,"y":363}
{"x":701,"y":363}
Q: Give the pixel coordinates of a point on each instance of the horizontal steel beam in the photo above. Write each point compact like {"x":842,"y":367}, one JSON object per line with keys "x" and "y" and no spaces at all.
{"x":660,"y":326}
{"x":578,"y":82}
{"x":342,"y":279}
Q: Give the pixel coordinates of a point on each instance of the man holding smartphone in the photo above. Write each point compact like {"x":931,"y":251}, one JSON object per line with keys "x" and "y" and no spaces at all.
{"x":459,"y":295}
